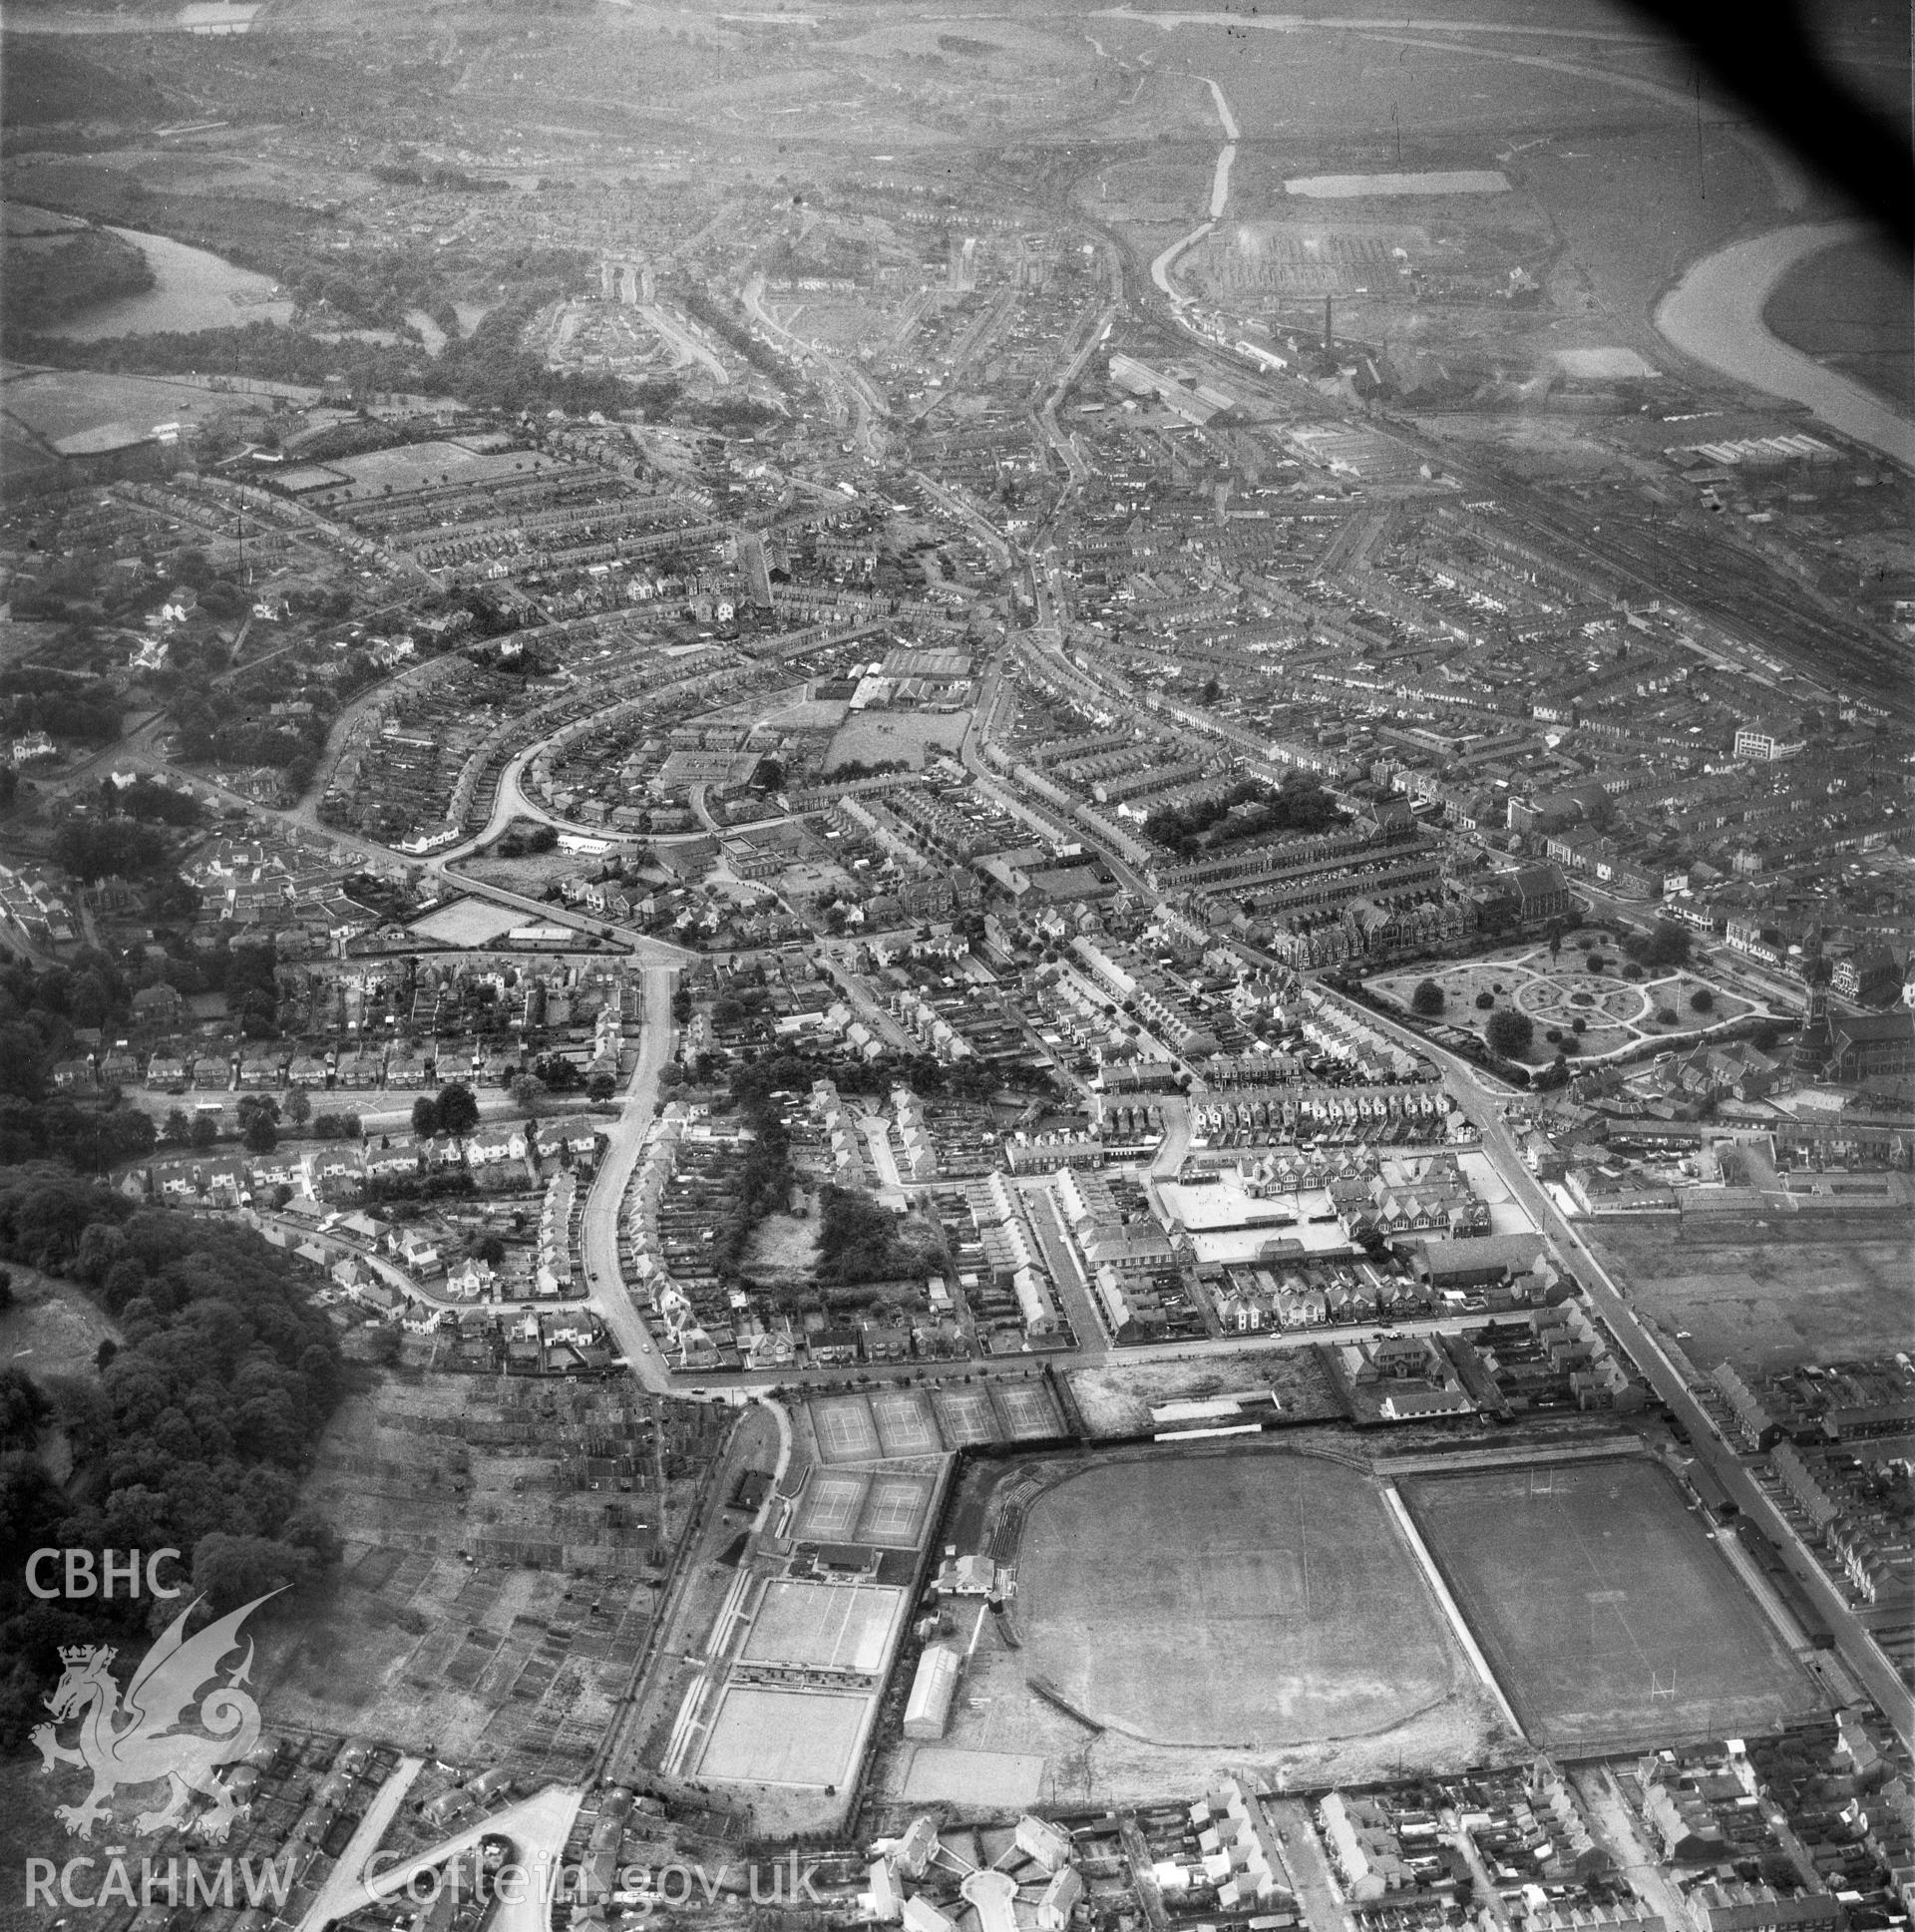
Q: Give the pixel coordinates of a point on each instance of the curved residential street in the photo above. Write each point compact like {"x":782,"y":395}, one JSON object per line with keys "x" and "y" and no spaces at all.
{"x":605,"y":1284}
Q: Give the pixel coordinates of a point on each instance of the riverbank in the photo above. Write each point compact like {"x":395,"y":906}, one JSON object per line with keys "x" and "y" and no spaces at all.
{"x":1714,"y":314}
{"x":1852,"y":307}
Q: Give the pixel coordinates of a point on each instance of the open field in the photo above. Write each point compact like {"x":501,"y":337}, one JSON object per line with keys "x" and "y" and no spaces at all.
{"x":65,"y":403}
{"x":52,"y":1328}
{"x":784,"y":1249}
{"x":989,"y":1780}
{"x":529,"y":874}
{"x":1774,"y":1297}
{"x":1251,"y":1599}
{"x":420,"y":464}
{"x":870,"y":737}
{"x":1116,"y":1397}
{"x":1603,"y":1610}
{"x":468,"y":922}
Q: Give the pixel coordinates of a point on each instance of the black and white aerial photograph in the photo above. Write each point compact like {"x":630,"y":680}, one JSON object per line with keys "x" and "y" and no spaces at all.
{"x":957,"y":966}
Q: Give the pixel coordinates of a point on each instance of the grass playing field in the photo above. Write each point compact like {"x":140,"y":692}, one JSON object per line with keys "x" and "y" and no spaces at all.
{"x":822,"y":1626}
{"x":1249,"y":1598}
{"x":1601,"y":1606}
{"x":770,"y":1736}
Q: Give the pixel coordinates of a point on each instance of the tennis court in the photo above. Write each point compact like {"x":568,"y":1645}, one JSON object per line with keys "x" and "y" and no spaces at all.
{"x":964,"y":1416}
{"x":845,"y":1431}
{"x":824,"y":1626}
{"x":831,"y":1505}
{"x":1027,"y":1411}
{"x":904,"y":1425}
{"x":895,"y":1511}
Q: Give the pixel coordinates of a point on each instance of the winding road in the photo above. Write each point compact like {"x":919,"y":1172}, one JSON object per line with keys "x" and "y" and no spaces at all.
{"x":605,"y":1282}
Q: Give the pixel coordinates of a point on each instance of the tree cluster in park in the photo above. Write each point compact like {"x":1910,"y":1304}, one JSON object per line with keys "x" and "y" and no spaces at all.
{"x":1667,"y":945}
{"x":1510,"y":1033}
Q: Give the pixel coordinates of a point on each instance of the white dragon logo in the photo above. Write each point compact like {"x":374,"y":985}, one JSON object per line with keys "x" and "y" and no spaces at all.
{"x":147,"y":1746}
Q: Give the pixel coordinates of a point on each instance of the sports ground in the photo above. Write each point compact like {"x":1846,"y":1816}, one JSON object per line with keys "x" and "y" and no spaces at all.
{"x":848,"y":1506}
{"x":1603,"y":1609}
{"x":770,"y":1736}
{"x":1250,"y":1598}
{"x":823,"y":1627}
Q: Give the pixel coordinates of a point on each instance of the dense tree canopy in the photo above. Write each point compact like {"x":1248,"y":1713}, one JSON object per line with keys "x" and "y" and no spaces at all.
{"x":193,"y":1434}
{"x":1510,"y":1034}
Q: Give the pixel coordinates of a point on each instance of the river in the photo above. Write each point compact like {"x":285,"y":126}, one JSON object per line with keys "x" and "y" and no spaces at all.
{"x":1714,"y":314}
{"x":194,"y":291}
